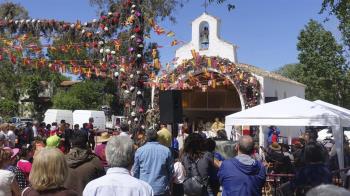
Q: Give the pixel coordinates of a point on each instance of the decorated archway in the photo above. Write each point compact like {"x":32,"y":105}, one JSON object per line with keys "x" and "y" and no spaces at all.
{"x":210,"y":73}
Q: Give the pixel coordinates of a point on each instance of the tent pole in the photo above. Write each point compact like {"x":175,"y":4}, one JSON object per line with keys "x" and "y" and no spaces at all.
{"x":339,"y":145}
{"x":261,"y":139}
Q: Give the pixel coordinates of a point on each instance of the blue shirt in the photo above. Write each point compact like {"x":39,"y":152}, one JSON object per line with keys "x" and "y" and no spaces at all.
{"x":117,"y":181}
{"x":242,"y":176}
{"x":154,"y":165}
{"x":175,"y":144}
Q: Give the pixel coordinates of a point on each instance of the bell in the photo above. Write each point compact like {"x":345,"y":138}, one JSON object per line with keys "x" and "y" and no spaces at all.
{"x":205,"y":36}
{"x":205,"y":40}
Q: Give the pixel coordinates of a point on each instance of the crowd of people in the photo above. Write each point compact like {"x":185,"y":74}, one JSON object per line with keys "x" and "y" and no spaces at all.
{"x":54,"y":159}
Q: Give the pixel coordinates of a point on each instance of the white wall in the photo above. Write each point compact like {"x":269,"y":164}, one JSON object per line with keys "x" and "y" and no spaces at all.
{"x":217,"y":47}
{"x":283,"y":89}
{"x":271,"y":87}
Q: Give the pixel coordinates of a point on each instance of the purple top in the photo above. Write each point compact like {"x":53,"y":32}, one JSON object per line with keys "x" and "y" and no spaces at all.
{"x":100,"y":152}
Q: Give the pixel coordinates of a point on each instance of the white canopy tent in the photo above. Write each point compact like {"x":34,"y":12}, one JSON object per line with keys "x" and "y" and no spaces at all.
{"x":334,"y":108}
{"x":292,"y":111}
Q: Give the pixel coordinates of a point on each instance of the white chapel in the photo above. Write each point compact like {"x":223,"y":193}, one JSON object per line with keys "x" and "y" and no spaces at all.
{"x":224,"y":100}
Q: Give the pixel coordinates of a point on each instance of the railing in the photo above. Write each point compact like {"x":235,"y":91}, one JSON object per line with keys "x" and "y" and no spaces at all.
{"x":274,"y":181}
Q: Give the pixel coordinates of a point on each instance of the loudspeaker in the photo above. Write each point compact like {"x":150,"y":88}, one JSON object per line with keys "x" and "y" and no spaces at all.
{"x":170,"y":106}
{"x":270,"y":99}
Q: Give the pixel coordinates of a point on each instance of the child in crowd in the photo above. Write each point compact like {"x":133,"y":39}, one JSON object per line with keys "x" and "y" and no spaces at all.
{"x":24,"y":164}
{"x":179,"y":176}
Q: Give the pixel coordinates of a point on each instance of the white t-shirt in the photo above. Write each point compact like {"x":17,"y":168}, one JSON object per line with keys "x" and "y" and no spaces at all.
{"x":35,"y":131}
{"x":179,"y":173}
{"x":6,"y":179}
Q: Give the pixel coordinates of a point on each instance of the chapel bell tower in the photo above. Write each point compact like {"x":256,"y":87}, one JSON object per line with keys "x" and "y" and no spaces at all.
{"x":206,"y":40}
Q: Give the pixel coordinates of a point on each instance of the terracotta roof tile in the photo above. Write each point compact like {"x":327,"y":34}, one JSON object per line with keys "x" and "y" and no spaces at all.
{"x":263,"y":73}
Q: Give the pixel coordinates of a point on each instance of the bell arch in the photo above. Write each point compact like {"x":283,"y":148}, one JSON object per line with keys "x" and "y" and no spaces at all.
{"x":204,"y":40}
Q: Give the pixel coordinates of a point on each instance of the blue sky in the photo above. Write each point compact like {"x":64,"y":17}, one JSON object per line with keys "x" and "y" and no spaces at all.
{"x":265,"y":31}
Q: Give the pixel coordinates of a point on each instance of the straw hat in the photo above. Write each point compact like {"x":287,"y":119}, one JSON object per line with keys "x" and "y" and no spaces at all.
{"x":103,"y":138}
{"x":275,"y":146}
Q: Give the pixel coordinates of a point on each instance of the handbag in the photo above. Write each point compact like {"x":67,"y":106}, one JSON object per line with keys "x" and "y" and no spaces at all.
{"x":194,"y":184}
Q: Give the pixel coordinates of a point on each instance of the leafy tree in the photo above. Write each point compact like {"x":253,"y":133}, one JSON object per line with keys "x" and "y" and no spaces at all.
{"x":159,"y":10}
{"x":8,"y":107}
{"x":67,"y":101}
{"x":13,"y":11}
{"x":85,"y":95}
{"x":291,"y":71}
{"x":341,"y":9}
{"x":323,"y":67}
{"x":18,"y":80}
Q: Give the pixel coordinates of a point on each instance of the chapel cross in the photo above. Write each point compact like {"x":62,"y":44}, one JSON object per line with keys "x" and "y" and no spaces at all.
{"x":205,"y":5}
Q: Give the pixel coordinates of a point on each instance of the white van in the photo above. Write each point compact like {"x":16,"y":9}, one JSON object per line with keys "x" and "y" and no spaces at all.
{"x":82,"y":116}
{"x":55,"y":115}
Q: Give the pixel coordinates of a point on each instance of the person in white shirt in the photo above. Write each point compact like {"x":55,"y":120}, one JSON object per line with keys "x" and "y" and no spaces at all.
{"x":8,"y":182}
{"x":124,"y":130}
{"x":35,"y":128}
{"x":179,"y":176}
{"x":118,"y":181}
{"x":11,"y":136}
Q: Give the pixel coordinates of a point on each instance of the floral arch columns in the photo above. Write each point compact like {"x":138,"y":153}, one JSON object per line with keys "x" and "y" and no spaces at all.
{"x":211,"y":72}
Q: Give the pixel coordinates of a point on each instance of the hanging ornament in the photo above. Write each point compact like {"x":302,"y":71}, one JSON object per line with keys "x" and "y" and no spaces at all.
{"x":116,"y":74}
{"x":154,"y":53}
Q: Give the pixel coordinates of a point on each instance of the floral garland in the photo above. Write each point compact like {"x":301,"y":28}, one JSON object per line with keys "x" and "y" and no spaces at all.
{"x":184,"y":77}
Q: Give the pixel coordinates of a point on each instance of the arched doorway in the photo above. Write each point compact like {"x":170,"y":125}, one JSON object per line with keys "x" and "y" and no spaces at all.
{"x":212,"y":87}
{"x":211,"y":103}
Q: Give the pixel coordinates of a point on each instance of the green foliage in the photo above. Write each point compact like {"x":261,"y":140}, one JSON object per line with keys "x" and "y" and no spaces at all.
{"x":71,"y":52}
{"x":13,"y":11}
{"x":341,"y":9}
{"x":87,"y":95}
{"x":8,"y":107}
{"x":32,"y":86}
{"x":67,"y":101}
{"x":159,"y":10}
{"x":323,"y":67}
{"x":291,"y":71}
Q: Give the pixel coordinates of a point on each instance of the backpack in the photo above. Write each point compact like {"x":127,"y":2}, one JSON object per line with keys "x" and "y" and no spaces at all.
{"x":194,"y":184}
